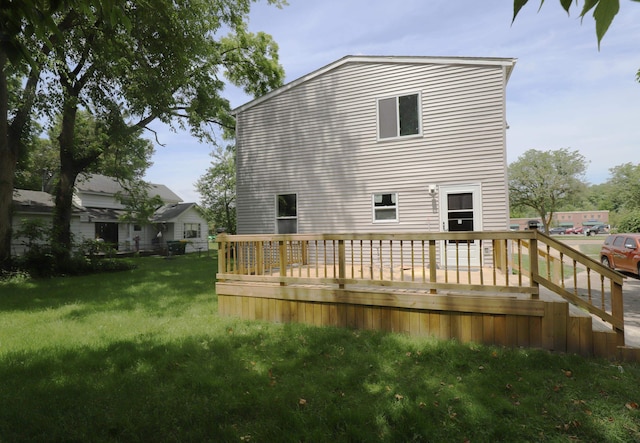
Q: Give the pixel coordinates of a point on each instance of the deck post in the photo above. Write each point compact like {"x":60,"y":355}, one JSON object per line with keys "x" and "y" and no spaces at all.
{"x":617,"y":310}
{"x":533,"y":266}
{"x":433,"y":275}
{"x":259,"y":248}
{"x":282,"y":249}
{"x":342,"y":265}
{"x":305,"y":251}
{"x":222,"y":253}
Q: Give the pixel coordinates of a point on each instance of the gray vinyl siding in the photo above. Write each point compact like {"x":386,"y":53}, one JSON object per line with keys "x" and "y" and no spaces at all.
{"x":319,"y":140}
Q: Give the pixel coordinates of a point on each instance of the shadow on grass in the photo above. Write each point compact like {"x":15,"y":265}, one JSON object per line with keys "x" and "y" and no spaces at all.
{"x":261,"y":382}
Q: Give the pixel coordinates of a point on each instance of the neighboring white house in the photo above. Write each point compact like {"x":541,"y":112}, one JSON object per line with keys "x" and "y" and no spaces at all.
{"x":36,"y":205}
{"x":97,"y":215}
{"x":377,"y":144}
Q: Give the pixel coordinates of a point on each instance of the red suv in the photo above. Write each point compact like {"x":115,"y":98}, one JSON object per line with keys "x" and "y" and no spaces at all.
{"x":622,"y":251}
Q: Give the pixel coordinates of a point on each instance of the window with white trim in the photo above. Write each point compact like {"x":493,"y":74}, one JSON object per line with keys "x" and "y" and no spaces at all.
{"x":191,"y":230}
{"x":287,"y":213}
{"x":385,"y":207}
{"x":399,"y":116}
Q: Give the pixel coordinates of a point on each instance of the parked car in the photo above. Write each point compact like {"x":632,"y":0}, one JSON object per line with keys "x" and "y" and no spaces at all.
{"x":597,"y":229}
{"x":575,"y":230}
{"x":557,"y":231}
{"x":622,"y":251}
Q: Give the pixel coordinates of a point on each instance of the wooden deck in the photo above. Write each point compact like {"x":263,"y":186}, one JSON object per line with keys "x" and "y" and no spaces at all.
{"x":419,"y":284}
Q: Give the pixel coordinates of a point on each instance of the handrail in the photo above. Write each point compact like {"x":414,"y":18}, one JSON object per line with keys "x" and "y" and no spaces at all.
{"x":557,"y":251}
{"x":505,"y":262}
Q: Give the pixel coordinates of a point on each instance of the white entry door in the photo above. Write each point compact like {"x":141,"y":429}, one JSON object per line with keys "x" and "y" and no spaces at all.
{"x":460,"y":210}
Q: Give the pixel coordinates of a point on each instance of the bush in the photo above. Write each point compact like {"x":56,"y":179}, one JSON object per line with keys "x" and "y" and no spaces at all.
{"x":40,"y":262}
{"x":629,"y":222}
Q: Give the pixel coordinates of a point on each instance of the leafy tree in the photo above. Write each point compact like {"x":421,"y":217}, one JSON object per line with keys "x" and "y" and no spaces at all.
{"x":162,"y":61}
{"x":28,"y":34}
{"x":544,"y":180}
{"x":38,"y":167}
{"x":604,"y":11}
{"x":218,"y":189}
{"x":139,"y":205}
{"x":625,"y":187}
{"x":598,"y":197}
{"x":37,"y":164}
{"x":629,"y":221}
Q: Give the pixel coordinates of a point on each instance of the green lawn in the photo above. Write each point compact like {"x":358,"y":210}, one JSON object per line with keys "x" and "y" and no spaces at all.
{"x":142,"y":355}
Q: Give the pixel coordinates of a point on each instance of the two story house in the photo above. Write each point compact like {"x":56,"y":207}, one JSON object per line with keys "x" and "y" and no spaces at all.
{"x":377,"y":144}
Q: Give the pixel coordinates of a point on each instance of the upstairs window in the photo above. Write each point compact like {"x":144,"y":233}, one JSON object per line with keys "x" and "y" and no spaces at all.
{"x":385,"y":207}
{"x":399,"y":116}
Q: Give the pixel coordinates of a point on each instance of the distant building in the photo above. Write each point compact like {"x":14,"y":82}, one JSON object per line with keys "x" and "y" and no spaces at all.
{"x":97,"y":214}
{"x":568,"y":219}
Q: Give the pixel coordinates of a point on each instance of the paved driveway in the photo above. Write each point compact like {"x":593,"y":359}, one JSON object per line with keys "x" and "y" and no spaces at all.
{"x":631,"y":293}
{"x":630,"y":287}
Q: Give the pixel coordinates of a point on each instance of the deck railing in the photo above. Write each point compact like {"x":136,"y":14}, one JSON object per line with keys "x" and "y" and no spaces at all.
{"x":500,"y":262}
{"x":575,"y":277}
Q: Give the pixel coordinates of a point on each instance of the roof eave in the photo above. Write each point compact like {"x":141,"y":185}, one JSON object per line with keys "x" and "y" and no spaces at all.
{"x":507,"y":63}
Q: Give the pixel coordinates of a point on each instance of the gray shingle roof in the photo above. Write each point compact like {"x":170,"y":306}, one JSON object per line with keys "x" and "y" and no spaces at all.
{"x":101,"y":184}
{"x":32,"y":201}
{"x":168,"y":213}
{"x":37,"y":202}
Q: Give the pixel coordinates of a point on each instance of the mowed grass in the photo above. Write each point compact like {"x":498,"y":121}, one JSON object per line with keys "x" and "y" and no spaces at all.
{"x":142,"y":355}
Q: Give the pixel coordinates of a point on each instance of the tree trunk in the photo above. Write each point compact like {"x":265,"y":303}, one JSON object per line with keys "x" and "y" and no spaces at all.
{"x":8,"y":161}
{"x":11,"y":143}
{"x":7,"y":172}
{"x":64,"y":189}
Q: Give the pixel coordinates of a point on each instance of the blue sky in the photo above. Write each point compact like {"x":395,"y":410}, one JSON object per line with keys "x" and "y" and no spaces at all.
{"x":563,"y":93}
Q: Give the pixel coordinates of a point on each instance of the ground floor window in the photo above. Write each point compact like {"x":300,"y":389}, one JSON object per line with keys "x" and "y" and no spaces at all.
{"x":287,"y":213}
{"x":191,"y":230}
{"x":107,"y":232}
{"x":385,"y":207}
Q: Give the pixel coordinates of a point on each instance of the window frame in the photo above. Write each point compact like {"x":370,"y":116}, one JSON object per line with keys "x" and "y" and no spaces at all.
{"x":398,"y":136}
{"x":285,"y":217}
{"x":395,"y":206}
{"x":198,"y":231}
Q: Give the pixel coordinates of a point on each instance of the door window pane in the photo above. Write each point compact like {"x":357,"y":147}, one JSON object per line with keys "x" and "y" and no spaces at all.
{"x":460,"y":213}
{"x":460,"y":201}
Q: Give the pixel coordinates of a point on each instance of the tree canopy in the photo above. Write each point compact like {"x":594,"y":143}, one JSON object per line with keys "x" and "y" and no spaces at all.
{"x":127,"y":64}
{"x":544,"y":180}
{"x":218,"y":189}
{"x":38,"y":166}
{"x":604,"y":11}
